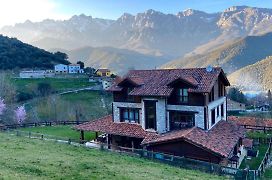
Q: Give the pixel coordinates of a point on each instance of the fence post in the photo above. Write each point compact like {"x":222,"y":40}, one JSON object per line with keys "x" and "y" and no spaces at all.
{"x":69,"y":141}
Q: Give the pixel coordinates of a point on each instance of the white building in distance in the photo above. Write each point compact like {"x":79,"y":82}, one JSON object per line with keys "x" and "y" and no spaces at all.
{"x":68,"y":69}
{"x":61,"y":69}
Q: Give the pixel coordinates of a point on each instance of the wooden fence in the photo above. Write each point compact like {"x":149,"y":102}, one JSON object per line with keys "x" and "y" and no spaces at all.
{"x":44,"y":123}
{"x":258,"y":128}
{"x":262,"y":167}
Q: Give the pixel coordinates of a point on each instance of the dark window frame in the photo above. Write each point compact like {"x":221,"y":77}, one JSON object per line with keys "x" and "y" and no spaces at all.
{"x":211,"y":95}
{"x":133,"y":115}
{"x":222,"y":110}
{"x":213,"y":116}
{"x":183,"y":95}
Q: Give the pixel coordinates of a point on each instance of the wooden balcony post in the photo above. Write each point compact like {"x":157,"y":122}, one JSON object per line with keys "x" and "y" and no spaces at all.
{"x":96,"y":135}
{"x":81,"y":136}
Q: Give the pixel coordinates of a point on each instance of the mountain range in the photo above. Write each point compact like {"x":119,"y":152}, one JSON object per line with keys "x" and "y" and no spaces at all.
{"x":235,"y":38}
{"x":150,"y":32}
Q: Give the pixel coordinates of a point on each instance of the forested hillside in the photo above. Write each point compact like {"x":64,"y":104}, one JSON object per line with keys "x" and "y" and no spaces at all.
{"x":254,"y":77}
{"x":16,"y":54}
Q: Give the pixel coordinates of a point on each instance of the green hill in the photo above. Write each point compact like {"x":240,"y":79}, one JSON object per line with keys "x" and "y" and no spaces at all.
{"x":118,"y":60}
{"x":16,"y":54}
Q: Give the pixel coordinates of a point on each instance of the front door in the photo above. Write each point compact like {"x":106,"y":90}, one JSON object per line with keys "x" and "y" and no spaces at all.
{"x":150,"y":115}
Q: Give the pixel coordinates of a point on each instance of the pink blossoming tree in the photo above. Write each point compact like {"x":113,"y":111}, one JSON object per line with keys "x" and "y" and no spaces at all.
{"x":20,"y":114}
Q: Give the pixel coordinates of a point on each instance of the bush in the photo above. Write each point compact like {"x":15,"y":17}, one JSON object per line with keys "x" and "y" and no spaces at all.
{"x":23,"y":96}
{"x":44,"y":88}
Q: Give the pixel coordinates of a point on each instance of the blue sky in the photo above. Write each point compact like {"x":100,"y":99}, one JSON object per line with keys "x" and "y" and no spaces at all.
{"x":16,"y":11}
{"x":114,"y":8}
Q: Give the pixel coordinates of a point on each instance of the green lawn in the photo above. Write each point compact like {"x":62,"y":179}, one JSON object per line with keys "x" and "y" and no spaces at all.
{"x":61,"y":131}
{"x":23,"y":158}
{"x":57,"y":84}
{"x":268,"y":173}
{"x":255,"y":162}
{"x":87,"y":103}
{"x":258,"y":134}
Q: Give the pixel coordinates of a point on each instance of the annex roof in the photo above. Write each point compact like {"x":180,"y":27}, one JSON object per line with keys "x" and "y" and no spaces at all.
{"x":221,"y":139}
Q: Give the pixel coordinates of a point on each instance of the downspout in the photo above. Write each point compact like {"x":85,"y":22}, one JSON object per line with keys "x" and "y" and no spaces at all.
{"x":166,"y":118}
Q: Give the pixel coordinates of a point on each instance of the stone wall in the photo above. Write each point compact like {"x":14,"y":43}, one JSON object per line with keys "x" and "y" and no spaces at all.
{"x":116,"y":110}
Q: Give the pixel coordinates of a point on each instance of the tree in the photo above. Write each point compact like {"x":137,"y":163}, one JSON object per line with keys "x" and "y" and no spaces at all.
{"x":81,"y":64}
{"x":236,"y":95}
{"x":2,"y":106}
{"x":44,"y":88}
{"x":89,"y":70}
{"x":269,"y":98}
{"x":61,"y":56}
{"x":7,"y":89}
{"x":20,"y":114}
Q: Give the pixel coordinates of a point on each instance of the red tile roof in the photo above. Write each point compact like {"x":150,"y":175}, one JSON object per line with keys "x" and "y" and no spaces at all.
{"x":103,"y":70}
{"x":156,"y":82}
{"x":106,"y":125}
{"x":251,"y":121}
{"x":221,"y":139}
{"x":248,"y":143}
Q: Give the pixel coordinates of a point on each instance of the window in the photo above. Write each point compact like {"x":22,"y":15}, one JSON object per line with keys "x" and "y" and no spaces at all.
{"x":179,"y":120}
{"x":183,"y":95}
{"x":130,"y":115}
{"x":130,"y":98}
{"x":211,"y":95}
{"x":213,"y":116}
{"x":222,"y":110}
{"x":218,"y":111}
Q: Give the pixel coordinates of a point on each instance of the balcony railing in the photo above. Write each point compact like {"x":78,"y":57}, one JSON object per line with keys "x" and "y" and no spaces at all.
{"x":181,"y":125}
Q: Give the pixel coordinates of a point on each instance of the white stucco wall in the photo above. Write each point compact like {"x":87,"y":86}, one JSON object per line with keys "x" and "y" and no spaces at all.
{"x":214,"y":105}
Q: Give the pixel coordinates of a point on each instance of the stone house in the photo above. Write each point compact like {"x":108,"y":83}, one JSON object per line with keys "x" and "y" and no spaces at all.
{"x":175,"y":111}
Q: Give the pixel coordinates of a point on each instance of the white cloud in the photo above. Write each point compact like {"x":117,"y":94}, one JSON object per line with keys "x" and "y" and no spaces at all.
{"x":15,"y":11}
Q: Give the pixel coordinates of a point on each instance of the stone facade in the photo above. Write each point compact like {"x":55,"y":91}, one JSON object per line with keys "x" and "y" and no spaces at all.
{"x":116,"y":110}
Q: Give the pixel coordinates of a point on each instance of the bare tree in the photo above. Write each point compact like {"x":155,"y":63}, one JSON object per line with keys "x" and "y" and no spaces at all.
{"x":7,"y":89}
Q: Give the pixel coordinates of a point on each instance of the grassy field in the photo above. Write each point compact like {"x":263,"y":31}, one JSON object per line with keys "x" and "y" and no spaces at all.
{"x":88,"y":104}
{"x":258,"y":134}
{"x":57,"y":84}
{"x":23,"y":158}
{"x":65,"y":132}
